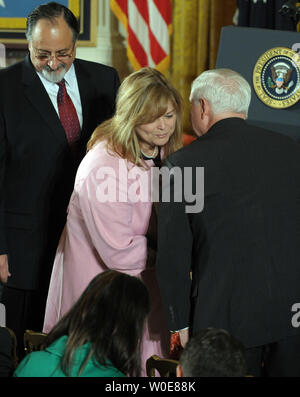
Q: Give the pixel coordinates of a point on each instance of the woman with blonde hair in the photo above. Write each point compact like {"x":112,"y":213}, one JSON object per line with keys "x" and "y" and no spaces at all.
{"x":108,"y":224}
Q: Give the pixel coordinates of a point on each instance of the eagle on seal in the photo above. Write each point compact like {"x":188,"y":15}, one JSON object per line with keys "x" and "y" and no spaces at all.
{"x":281,"y":75}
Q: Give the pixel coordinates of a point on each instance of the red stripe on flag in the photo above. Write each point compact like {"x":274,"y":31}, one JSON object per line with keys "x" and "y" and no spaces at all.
{"x":164,"y":7}
{"x":123,"y":4}
{"x":137,"y":53}
{"x":142,"y":6}
{"x":157,"y":53}
{"x":136,"y":48}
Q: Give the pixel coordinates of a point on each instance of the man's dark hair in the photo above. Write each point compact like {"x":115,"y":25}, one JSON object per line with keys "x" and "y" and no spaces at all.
{"x":52,"y":11}
{"x":213,"y":353}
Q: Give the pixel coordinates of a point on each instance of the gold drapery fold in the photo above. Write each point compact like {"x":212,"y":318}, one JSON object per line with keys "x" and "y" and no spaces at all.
{"x":196,"y":32}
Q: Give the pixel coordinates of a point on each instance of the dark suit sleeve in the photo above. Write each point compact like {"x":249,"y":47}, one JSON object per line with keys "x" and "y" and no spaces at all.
{"x":116,"y":86}
{"x":6,"y":357}
{"x":173,"y":263}
{"x":3,"y":243}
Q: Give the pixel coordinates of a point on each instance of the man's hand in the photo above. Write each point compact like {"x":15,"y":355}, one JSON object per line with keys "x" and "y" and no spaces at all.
{"x":4,"y":272}
{"x":184,"y":336}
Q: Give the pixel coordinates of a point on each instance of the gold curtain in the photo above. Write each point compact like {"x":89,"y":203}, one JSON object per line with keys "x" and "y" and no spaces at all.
{"x":196,"y":32}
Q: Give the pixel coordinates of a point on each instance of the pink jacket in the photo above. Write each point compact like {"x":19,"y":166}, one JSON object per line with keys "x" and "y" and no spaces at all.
{"x":108,"y":218}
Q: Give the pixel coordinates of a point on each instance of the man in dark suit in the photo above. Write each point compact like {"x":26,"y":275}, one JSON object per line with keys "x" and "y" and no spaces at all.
{"x":243,"y":245}
{"x":44,"y":128}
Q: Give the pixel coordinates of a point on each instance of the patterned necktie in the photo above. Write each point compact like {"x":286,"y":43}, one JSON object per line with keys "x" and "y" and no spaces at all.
{"x":68,"y":115}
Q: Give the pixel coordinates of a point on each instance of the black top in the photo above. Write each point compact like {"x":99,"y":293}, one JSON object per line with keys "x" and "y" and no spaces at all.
{"x":157,"y":159}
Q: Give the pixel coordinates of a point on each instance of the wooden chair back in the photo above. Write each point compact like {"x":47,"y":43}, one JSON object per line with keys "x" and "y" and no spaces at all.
{"x":34,"y":341}
{"x":14,"y":347}
{"x":164,"y":366}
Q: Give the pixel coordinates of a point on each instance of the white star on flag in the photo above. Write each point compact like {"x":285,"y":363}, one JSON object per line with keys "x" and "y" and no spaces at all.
{"x":2,"y":4}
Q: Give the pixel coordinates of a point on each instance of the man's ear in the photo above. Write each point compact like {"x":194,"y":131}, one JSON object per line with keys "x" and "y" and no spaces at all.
{"x":205,"y":107}
{"x":179,"y":372}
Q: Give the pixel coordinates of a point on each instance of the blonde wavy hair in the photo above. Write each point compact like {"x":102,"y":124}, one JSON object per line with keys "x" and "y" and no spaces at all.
{"x":142,"y":98}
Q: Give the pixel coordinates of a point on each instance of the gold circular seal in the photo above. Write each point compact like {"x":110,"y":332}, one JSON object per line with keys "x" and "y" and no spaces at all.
{"x":276,"y":78}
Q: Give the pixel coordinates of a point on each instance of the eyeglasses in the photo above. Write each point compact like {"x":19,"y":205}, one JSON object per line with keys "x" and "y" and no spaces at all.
{"x":46,"y":57}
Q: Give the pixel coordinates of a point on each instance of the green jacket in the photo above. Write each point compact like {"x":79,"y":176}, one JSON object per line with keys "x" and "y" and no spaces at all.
{"x":46,"y":363}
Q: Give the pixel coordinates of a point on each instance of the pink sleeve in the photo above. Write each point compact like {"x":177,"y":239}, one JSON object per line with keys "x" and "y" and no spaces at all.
{"x":110,"y":224}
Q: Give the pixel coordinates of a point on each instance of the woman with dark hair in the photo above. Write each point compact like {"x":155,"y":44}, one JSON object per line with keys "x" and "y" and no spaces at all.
{"x":100,"y":336}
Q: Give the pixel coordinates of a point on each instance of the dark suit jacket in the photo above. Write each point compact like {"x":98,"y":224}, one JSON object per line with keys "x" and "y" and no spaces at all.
{"x":244,"y":247}
{"x":6,"y":353}
{"x":37,"y":169}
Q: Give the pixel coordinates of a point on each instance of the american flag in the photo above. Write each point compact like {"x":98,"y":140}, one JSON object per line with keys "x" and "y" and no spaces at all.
{"x":148,"y":24}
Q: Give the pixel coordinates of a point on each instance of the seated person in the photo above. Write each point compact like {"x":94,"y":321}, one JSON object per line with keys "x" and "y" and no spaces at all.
{"x":212,"y":353}
{"x":99,"y":336}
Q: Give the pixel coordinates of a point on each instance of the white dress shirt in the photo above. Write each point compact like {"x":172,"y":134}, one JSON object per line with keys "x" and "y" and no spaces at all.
{"x":72,"y":89}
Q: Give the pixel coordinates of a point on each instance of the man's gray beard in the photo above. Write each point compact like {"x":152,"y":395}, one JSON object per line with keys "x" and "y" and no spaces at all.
{"x":54,"y":76}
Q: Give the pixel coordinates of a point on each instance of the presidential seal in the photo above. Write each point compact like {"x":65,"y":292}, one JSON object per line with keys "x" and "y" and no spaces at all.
{"x":276,"y":78}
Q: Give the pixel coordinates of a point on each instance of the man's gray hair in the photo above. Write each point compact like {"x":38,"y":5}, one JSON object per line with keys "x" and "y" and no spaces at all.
{"x":224,"y":89}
